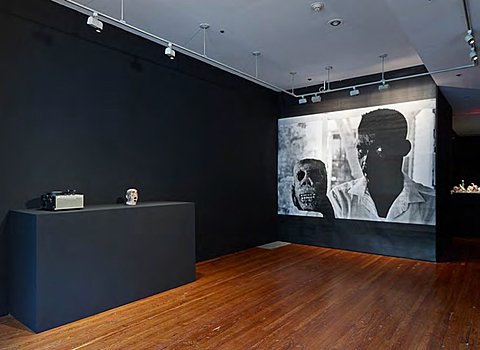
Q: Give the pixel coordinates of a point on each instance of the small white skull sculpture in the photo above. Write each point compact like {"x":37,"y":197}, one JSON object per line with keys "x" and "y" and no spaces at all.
{"x":132,"y":196}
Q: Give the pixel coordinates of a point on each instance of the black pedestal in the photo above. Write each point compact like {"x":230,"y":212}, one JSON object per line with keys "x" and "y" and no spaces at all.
{"x":65,"y":266}
{"x":464,"y":215}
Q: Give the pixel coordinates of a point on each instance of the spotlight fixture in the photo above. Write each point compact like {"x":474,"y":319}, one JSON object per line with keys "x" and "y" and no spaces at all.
{"x":473,"y":55}
{"x":354,"y":92}
{"x":302,"y":100}
{"x":169,"y":51}
{"x":383,"y":87}
{"x":94,"y":22}
{"x":469,"y":38}
{"x":316,"y":98}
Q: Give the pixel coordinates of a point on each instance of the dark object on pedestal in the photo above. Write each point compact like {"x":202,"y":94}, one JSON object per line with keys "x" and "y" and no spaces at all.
{"x":68,"y":265}
{"x":62,"y":200}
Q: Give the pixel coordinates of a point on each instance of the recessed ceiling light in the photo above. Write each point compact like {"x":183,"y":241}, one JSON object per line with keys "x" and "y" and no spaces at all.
{"x":222,"y":31}
{"x":335,"y":22}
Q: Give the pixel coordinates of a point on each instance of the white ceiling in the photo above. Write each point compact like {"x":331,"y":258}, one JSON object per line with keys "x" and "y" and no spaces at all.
{"x":436,"y":29}
{"x":292,"y":37}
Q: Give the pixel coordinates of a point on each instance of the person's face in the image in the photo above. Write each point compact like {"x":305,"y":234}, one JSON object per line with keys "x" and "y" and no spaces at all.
{"x":378,"y":152}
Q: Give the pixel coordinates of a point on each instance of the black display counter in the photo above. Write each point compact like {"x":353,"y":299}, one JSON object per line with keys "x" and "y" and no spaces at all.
{"x":464,"y":214}
{"x":68,"y":265}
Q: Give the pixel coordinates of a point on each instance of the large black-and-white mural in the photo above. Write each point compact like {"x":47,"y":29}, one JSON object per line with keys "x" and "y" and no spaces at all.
{"x":374,"y":163}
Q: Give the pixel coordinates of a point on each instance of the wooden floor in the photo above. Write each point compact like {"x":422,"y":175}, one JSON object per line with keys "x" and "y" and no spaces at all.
{"x":293,"y":297}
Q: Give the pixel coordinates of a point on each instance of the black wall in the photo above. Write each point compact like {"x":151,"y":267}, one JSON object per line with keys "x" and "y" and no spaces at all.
{"x":104,"y":112}
{"x":444,"y":173}
{"x":464,"y":208}
{"x":466,"y":160}
{"x":405,"y":240}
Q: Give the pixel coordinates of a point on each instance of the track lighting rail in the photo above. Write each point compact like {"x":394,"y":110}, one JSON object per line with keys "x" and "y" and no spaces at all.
{"x":202,"y":57}
{"x":385,"y":81}
{"x":156,"y":38}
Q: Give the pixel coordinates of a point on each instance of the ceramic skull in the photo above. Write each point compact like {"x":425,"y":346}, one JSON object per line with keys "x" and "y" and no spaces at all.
{"x":131,"y":196}
{"x":309,"y":185}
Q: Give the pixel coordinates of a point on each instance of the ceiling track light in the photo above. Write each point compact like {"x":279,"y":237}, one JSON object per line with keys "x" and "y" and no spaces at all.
{"x":169,"y":51}
{"x":121,"y":23}
{"x":469,"y":38}
{"x":316,"y":98}
{"x":354,"y":92}
{"x":383,"y":87}
{"x":302,"y":100}
{"x":473,"y":55}
{"x":95,"y":23}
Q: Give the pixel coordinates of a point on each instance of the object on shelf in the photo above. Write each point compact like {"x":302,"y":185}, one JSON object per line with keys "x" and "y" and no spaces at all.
{"x":131,"y":196}
{"x":472,"y":188}
{"x":62,"y":200}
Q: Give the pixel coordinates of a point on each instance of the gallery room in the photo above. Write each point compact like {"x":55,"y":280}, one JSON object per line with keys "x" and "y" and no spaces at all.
{"x":239,"y":174}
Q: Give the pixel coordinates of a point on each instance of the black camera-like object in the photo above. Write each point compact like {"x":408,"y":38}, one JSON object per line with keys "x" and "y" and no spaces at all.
{"x":62,"y":200}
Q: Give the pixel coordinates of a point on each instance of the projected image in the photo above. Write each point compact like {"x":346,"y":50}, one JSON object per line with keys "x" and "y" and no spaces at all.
{"x":374,"y":163}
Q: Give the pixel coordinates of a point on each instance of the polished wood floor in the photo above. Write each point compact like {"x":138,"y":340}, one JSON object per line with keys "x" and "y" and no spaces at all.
{"x":293,"y":297}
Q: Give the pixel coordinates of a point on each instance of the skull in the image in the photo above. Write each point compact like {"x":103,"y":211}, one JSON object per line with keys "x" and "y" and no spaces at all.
{"x":309,"y":185}
{"x":131,"y":196}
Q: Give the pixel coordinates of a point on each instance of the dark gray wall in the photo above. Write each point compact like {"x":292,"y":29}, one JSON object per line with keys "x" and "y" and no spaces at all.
{"x":405,"y":240}
{"x":464,"y":208}
{"x":466,"y":159}
{"x":445,"y":169}
{"x":101,"y":113}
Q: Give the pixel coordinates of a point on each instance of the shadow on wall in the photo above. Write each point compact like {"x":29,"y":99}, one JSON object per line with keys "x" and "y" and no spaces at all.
{"x":33,"y":203}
